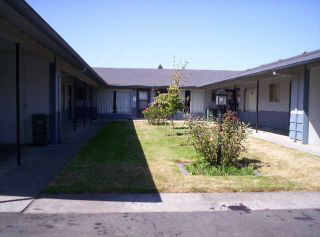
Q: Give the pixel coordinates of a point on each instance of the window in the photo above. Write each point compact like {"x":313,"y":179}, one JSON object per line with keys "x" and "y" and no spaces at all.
{"x":161,"y":91}
{"x":187,"y":99}
{"x":213,"y":96}
{"x":143,"y":95}
{"x":221,"y":100}
{"x":274,"y":93}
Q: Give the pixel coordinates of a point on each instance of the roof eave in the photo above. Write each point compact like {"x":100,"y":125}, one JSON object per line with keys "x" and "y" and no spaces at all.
{"x":26,"y":11}
{"x":270,"y":70}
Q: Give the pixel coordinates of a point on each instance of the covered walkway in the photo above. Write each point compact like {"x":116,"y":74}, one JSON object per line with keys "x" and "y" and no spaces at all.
{"x":286,"y":141}
{"x":19,"y":185}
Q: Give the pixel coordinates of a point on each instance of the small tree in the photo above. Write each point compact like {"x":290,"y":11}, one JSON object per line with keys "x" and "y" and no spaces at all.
{"x":166,"y":105}
{"x":174,"y":100}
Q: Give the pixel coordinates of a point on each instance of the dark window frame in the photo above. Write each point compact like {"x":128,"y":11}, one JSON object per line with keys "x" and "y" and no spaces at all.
{"x":274,"y":93}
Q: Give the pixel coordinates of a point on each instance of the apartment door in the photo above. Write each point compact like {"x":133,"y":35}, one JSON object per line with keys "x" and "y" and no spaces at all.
{"x":251,"y":100}
{"x":123,"y":102}
{"x":142,"y":101}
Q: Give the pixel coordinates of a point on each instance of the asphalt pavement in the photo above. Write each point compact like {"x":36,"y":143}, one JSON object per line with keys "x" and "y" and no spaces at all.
{"x":268,"y":223}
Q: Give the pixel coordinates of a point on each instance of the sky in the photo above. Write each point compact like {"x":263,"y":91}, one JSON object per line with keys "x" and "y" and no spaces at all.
{"x":208,"y":34}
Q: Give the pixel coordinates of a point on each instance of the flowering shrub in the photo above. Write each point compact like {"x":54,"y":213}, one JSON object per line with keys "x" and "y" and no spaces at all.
{"x":220,"y":144}
{"x":234,"y":134}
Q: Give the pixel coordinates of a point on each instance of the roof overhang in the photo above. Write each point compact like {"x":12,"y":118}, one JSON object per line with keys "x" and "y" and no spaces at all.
{"x":251,"y":73}
{"x":22,"y":15}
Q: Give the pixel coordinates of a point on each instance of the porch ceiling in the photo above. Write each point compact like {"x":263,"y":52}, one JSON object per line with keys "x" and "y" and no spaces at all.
{"x":22,"y":16}
{"x":6,"y":46}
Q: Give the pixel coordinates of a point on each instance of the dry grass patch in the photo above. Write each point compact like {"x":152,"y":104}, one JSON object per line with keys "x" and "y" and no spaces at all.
{"x":137,"y":157}
{"x":278,"y":161}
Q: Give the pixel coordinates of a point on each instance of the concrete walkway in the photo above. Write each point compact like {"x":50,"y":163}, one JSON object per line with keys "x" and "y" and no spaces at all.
{"x":173,"y":202}
{"x":286,"y":141}
{"x":20,"y":185}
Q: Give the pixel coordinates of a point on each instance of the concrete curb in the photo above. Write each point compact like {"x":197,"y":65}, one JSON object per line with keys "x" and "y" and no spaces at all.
{"x":174,"y":202}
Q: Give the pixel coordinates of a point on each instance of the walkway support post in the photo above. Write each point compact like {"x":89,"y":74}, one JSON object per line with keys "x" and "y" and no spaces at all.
{"x":53,"y":102}
{"x":306,"y":105}
{"x":257,"y":107}
{"x":18,"y":104}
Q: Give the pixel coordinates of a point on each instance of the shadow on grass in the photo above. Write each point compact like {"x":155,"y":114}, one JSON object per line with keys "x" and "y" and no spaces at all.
{"x":105,"y":162}
{"x":180,"y":128}
{"x":112,"y":162}
{"x":180,"y":134}
{"x":178,"y":131}
{"x":247,"y":162}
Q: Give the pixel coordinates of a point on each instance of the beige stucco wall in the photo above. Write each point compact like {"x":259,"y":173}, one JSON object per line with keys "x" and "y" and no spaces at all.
{"x":264,"y":103}
{"x":314,"y":107}
{"x":283,"y":104}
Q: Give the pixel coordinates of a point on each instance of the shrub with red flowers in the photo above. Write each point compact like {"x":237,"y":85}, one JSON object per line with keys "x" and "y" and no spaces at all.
{"x":219,"y":143}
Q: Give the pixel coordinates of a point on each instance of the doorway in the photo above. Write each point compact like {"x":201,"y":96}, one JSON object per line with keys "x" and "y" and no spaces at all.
{"x":123,"y":105}
{"x":143,"y":98}
{"x":187,"y":99}
{"x":250,"y":100}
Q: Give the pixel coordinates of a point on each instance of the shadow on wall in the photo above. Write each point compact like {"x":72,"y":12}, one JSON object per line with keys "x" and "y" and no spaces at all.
{"x":269,"y":121}
{"x":112,"y":163}
{"x":314,"y":132}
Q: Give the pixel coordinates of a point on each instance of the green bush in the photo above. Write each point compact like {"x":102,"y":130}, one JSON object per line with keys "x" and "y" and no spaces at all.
{"x":220,"y":144}
{"x":158,"y":111}
{"x":165,"y":105}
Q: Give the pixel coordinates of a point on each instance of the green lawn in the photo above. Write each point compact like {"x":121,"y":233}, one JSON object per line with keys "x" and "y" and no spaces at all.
{"x":136,"y":157}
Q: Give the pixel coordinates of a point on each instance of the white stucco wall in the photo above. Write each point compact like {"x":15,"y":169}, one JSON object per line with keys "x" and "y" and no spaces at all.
{"x":314,"y":107}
